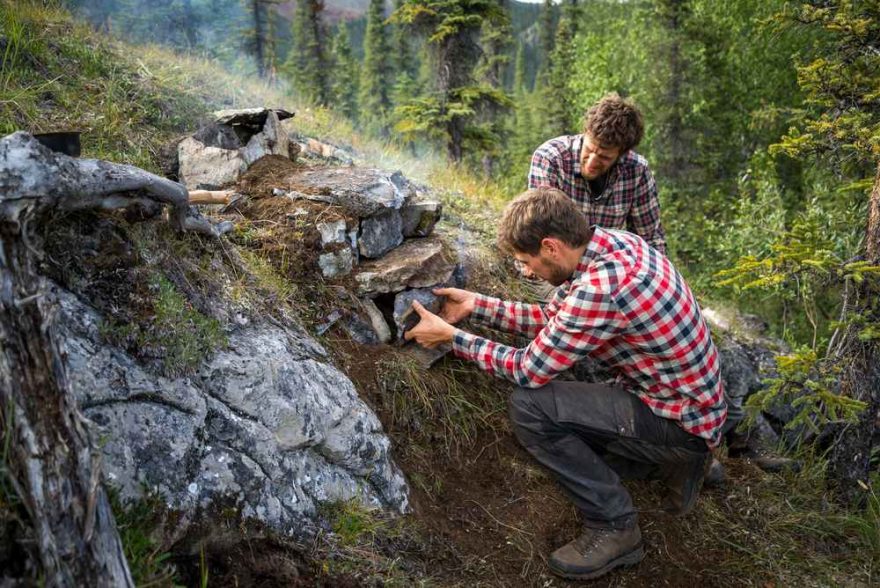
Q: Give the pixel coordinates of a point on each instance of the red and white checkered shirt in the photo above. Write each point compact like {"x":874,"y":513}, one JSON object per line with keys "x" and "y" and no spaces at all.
{"x":627,"y":306}
{"x":629,"y":201}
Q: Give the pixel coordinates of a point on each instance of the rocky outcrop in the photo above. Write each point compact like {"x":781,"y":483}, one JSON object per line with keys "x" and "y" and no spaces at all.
{"x":265,"y":426}
{"x":219,"y":153}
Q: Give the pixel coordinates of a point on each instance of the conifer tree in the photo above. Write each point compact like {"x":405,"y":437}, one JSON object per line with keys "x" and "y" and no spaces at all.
{"x":346,"y":74}
{"x":546,"y":34}
{"x":307,"y":64}
{"x":403,"y":56}
{"x":559,"y":102}
{"x":449,"y":110}
{"x":376,"y":74}
{"x":496,"y":41}
{"x":258,"y":37}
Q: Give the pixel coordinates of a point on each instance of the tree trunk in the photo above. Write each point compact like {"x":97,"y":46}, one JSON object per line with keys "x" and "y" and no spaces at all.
{"x":51,"y":462}
{"x":259,"y":37}
{"x":849,"y":463}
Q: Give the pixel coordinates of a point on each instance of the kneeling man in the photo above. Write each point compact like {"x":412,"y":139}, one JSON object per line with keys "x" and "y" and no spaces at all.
{"x":621,"y":302}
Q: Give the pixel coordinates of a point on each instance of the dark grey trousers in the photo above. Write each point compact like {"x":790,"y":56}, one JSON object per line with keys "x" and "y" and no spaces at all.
{"x":590,"y":436}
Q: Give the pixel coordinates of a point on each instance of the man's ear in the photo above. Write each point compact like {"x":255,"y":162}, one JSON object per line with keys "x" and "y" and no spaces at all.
{"x":550,"y":246}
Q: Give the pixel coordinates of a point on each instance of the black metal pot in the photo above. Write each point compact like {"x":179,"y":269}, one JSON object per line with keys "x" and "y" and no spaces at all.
{"x":65,"y":142}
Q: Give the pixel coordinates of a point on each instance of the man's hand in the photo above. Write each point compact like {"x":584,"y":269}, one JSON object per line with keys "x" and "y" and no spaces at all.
{"x":431,"y":330}
{"x":458,"y":306}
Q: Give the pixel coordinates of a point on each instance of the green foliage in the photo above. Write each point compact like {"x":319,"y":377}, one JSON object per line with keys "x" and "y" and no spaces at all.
{"x":56,"y":75}
{"x":352,"y":522}
{"x":457,"y":403}
{"x":804,"y":265}
{"x":811,"y":387}
{"x":346,"y":75}
{"x":376,"y":76}
{"x":307,"y":62}
{"x":560,"y":108}
{"x":450,"y":109}
{"x":841,"y":81}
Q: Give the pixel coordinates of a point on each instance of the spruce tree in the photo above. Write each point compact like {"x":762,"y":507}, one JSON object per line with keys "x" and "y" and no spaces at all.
{"x":546,"y":34}
{"x":346,"y":74}
{"x":259,"y":36}
{"x":307,"y":64}
{"x":496,"y":41}
{"x":449,"y":110}
{"x":376,"y":72}
{"x":559,"y":101}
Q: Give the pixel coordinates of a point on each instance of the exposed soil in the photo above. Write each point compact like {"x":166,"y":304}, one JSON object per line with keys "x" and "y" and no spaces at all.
{"x":496,"y":515}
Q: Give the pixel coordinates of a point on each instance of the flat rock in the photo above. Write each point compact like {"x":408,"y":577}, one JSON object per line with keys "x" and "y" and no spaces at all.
{"x":362,"y":192}
{"x":417,"y":263}
{"x":249,"y":116}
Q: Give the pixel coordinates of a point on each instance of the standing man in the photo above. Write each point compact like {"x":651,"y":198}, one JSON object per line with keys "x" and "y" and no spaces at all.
{"x":621,"y":302}
{"x":601,"y":173}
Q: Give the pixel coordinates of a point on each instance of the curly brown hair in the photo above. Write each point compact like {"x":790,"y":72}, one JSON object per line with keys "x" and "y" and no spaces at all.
{"x":615,"y":122}
{"x":539,"y":213}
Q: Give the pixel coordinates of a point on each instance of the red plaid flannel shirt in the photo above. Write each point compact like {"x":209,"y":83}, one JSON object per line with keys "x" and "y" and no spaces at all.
{"x":630,"y":198}
{"x":627,"y":306}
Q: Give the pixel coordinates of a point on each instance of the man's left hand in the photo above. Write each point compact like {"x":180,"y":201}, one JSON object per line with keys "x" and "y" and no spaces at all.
{"x":431,"y":330}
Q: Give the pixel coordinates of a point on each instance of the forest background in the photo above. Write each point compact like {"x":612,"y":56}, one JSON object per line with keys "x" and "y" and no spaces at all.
{"x":762,"y":125}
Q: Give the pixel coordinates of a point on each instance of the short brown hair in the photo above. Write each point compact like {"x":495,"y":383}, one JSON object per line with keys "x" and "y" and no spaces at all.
{"x":615,"y":122}
{"x":539,"y":213}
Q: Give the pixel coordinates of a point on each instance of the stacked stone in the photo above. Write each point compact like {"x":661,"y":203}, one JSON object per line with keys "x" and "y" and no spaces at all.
{"x":387,"y":245}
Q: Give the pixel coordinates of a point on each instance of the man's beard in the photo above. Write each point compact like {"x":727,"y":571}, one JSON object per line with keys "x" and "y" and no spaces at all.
{"x":558,"y":275}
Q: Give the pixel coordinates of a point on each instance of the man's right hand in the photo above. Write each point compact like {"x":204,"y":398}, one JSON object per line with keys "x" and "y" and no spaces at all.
{"x":459,"y":304}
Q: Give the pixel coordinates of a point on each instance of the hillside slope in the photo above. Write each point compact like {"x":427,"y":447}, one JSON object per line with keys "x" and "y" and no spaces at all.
{"x":484,"y":514}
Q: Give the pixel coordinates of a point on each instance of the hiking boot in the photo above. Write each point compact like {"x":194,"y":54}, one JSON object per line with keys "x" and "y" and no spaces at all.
{"x":683,"y":485}
{"x":715,"y":474}
{"x":596,"y":552}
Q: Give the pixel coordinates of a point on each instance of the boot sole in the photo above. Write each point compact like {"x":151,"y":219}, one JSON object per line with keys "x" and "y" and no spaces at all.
{"x":627,"y":559}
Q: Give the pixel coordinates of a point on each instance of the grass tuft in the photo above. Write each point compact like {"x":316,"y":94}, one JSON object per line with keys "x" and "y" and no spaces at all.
{"x":138,"y":523}
{"x":449,"y":403}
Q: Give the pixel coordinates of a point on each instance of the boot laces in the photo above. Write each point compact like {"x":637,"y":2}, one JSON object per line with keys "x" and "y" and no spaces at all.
{"x":592,"y":538}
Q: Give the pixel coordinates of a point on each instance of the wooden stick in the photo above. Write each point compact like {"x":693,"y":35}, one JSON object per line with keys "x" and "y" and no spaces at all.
{"x":210,"y":196}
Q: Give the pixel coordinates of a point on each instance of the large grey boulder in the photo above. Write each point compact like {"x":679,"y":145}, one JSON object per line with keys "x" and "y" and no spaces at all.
{"x":265,"y":426}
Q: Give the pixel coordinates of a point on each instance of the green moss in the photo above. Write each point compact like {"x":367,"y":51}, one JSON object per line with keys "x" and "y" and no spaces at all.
{"x":175,"y":333}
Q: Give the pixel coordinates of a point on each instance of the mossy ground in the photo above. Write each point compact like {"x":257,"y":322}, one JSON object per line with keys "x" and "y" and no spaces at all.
{"x":484,"y":513}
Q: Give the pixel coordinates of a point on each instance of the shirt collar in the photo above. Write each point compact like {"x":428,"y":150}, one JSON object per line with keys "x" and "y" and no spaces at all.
{"x":594,"y":247}
{"x":576,"y":144}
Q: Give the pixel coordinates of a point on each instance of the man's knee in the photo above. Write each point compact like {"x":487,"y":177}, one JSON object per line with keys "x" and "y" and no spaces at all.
{"x":528,"y":420}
